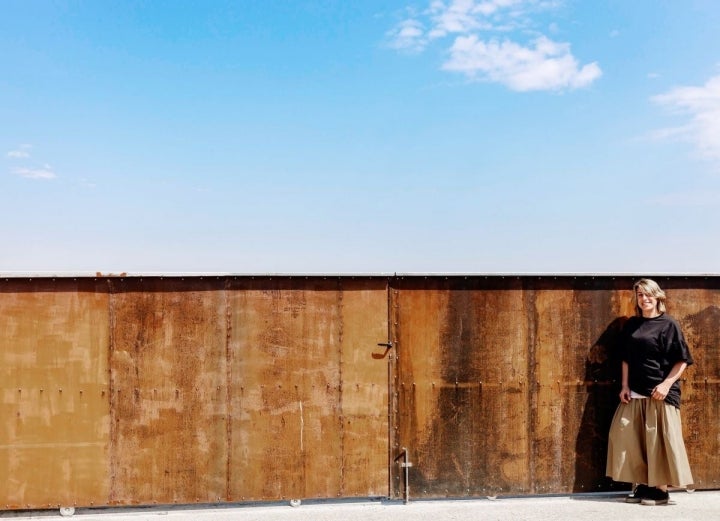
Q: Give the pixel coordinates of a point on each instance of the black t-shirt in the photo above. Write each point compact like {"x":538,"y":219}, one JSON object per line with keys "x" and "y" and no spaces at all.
{"x":651,"y":347}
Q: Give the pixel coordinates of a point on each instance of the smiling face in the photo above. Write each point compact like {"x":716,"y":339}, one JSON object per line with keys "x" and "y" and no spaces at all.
{"x":649,"y":298}
{"x":647,"y":304}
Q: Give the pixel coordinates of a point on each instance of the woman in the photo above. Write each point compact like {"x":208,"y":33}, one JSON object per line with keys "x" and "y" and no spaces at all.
{"x":645,"y":444}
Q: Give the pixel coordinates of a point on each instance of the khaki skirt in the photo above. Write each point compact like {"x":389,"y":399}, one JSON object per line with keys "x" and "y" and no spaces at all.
{"x":646,"y":445}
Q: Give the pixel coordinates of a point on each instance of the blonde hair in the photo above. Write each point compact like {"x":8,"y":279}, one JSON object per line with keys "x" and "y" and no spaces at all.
{"x":649,"y":287}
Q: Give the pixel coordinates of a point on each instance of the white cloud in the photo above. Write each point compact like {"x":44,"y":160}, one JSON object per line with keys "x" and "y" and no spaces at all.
{"x":21,"y":152}
{"x":45,"y":172}
{"x":476,"y":51}
{"x":408,"y":35}
{"x":702,"y":106}
{"x":459,"y":17}
{"x":545,"y":66}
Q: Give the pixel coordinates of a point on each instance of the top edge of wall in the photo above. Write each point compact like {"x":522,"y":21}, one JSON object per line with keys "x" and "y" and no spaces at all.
{"x":85,"y":275}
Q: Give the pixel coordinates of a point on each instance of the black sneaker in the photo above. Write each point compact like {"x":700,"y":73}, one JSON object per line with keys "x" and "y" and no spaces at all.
{"x":637,"y":495}
{"x":656,"y":497}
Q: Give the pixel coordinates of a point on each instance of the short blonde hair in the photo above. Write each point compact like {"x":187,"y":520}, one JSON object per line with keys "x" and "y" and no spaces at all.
{"x":649,"y":287}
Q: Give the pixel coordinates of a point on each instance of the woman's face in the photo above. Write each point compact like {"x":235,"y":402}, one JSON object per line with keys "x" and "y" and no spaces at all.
{"x":647,"y":303}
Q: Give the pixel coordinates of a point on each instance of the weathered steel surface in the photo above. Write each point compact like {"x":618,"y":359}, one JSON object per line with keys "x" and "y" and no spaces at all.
{"x":462,"y":384}
{"x":309,"y":401}
{"x":54,"y":391}
{"x":169,"y":391}
{"x":508,"y":384}
{"x":131,"y":390}
{"x":695,"y":302}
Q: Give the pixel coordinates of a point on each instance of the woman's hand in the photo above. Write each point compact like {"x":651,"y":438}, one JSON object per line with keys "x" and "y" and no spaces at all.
{"x":661,"y":391}
{"x":625,"y":394}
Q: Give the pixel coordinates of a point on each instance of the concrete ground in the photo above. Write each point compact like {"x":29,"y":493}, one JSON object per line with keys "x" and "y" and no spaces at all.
{"x":700,"y":505}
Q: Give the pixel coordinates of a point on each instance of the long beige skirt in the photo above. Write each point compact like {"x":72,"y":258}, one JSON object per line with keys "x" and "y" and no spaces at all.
{"x":646,"y":445}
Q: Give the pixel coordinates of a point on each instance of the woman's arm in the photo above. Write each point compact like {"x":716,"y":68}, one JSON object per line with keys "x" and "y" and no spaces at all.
{"x":662,"y":390}
{"x":625,"y":391}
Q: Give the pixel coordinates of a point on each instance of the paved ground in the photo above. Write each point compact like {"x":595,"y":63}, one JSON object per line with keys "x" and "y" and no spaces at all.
{"x":701,"y":505}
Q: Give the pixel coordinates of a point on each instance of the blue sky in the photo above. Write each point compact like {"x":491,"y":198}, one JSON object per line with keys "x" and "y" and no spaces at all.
{"x":465,"y":136}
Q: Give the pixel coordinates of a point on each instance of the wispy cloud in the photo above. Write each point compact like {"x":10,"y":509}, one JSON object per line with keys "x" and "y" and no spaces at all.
{"x":483,"y":43}
{"x":408,"y":35}
{"x":21,"y":152}
{"x":44,"y":172}
{"x":546,"y":65}
{"x":29,"y":168}
{"x":701,"y":108}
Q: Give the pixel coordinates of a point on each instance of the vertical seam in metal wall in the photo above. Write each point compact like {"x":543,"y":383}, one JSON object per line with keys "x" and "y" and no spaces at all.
{"x":530,"y":300}
{"x":111,"y":392}
{"x":341,"y":383}
{"x":228,"y":391}
{"x":392,"y":419}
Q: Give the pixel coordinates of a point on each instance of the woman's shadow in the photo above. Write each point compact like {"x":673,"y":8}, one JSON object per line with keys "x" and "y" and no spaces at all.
{"x":603,"y":374}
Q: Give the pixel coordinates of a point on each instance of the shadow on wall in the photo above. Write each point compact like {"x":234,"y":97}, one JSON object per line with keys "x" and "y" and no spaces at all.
{"x":603,"y":371}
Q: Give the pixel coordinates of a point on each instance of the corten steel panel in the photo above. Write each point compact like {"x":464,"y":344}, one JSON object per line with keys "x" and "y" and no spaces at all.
{"x":169,"y":392}
{"x":309,"y":400}
{"x":695,"y":302}
{"x":463,"y":388}
{"x":364,"y":370}
{"x":54,"y":385}
{"x":509,"y":384}
{"x":575,"y":324}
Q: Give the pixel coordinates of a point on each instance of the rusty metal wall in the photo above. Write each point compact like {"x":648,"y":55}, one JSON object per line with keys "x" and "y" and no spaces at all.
{"x":507,"y":385}
{"x":308,"y":399}
{"x":122,"y":391}
{"x":161,"y":390}
{"x":54,"y":389}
